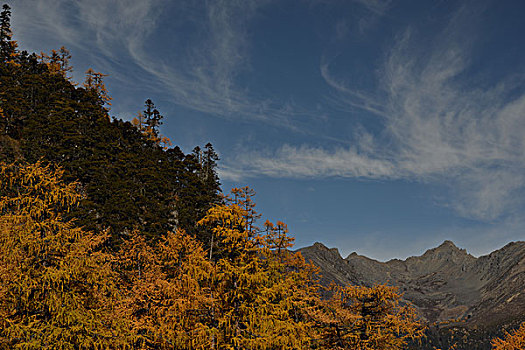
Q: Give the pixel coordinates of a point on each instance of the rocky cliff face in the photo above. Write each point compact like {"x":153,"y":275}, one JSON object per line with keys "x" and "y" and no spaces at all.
{"x":444,"y":284}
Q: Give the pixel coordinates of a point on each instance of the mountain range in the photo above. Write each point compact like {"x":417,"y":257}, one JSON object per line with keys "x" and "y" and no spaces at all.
{"x":466,"y":300}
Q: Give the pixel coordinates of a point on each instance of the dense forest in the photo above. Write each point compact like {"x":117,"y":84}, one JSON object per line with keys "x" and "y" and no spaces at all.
{"x":113,"y":238}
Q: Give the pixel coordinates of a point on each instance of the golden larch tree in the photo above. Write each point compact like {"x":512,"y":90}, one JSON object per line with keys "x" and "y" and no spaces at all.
{"x":148,"y":123}
{"x":290,"y":291}
{"x":168,"y":300}
{"x":94,"y":82}
{"x":257,"y":285}
{"x":363,"y":318}
{"x":58,"y":62}
{"x":57,"y":288}
{"x":514,"y":340}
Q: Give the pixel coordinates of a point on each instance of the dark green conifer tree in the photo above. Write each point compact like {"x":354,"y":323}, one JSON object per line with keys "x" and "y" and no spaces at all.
{"x":152,"y":117}
{"x":211,"y":178}
{"x":7,"y":45}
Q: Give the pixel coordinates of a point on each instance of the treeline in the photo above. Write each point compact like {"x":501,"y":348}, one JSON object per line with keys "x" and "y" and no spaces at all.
{"x":112,"y":239}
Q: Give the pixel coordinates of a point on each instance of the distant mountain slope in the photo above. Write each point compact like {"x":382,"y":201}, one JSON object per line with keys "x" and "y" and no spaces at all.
{"x":445,"y":283}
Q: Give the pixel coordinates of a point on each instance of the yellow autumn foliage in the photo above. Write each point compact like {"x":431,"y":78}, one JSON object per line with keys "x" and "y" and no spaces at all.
{"x":258,"y":287}
{"x":514,"y":340}
{"x":57,"y":288}
{"x":94,"y":81}
{"x":58,"y":62}
{"x":168,"y":300}
{"x":362,"y":318}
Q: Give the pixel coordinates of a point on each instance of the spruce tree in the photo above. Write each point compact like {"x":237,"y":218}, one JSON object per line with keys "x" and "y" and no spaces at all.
{"x":7,"y":45}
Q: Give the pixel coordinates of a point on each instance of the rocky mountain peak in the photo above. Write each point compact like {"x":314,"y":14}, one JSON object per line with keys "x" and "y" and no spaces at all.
{"x":447,"y":259}
{"x":446,"y":247}
{"x":322,"y":248}
{"x":448,"y":244}
{"x":352,"y":255}
{"x":446,"y":282}
{"x":445,"y":251}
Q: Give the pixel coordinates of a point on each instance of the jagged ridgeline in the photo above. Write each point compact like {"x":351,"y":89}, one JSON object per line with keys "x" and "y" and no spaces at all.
{"x":129,"y":177}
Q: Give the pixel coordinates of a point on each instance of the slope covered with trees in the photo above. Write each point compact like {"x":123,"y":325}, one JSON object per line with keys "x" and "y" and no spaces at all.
{"x":130,"y":180}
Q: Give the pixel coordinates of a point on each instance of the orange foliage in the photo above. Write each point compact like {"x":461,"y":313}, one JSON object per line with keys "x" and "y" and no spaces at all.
{"x":358,"y":317}
{"x":168,"y":300}
{"x":266,"y":297}
{"x":258,"y":291}
{"x":58,"y":62}
{"x":514,"y":340}
{"x":57,"y":287}
{"x":149,"y":122}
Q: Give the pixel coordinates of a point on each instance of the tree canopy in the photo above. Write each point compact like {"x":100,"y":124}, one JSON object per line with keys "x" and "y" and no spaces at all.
{"x":56,"y":287}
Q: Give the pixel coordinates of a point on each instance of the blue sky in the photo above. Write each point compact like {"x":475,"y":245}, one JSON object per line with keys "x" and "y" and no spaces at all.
{"x":382,"y":127}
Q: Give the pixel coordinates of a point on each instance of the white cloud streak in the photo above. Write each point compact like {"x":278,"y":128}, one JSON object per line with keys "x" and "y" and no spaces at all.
{"x":437,"y":128}
{"x":378,"y":7}
{"x":289,"y":161}
{"x":202,"y":75}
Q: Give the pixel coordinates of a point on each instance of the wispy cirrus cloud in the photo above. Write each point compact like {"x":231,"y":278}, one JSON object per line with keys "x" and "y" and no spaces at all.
{"x":438,"y":127}
{"x":378,"y":7}
{"x":198,"y":66}
{"x":203,"y":76}
{"x":98,"y":29}
{"x":305,"y":161}
{"x":83,"y":23}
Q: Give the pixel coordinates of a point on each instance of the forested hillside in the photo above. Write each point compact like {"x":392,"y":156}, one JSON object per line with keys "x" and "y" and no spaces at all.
{"x":112,"y":238}
{"x":129,"y":178}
